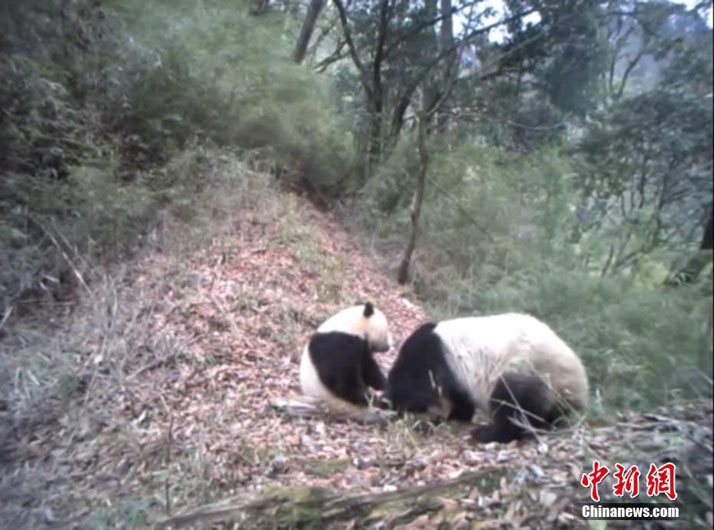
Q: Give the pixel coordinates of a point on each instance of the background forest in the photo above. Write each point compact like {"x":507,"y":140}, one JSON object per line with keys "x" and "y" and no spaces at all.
{"x":553,"y":157}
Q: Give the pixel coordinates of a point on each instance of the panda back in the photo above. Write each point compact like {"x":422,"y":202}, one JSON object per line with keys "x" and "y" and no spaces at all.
{"x":477,"y":349}
{"x":480,"y":349}
{"x":551,"y":357}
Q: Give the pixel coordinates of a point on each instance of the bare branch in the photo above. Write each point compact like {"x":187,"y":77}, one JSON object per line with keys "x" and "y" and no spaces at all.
{"x":628,"y":71}
{"x":418,"y":28}
{"x":353,"y":50}
{"x":335,"y":56}
{"x":298,"y":505}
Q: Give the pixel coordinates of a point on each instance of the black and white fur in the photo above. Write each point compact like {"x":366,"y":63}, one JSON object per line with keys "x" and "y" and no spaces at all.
{"x":512,"y":365}
{"x":337,"y":365}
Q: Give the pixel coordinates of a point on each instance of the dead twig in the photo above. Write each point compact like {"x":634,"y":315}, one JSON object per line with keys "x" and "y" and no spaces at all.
{"x":64,"y":254}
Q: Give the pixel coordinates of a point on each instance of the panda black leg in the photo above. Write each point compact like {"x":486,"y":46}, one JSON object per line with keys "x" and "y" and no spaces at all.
{"x":338,"y":359}
{"x":371,"y":373}
{"x":517,"y":401}
{"x":462,"y":408}
{"x":491,"y":433}
{"x":350,"y":387}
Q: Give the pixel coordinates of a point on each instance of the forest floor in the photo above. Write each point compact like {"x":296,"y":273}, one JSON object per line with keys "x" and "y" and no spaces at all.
{"x":163,"y":384}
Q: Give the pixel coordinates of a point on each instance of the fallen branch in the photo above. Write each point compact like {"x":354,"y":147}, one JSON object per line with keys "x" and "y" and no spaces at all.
{"x":298,"y":506}
{"x":306,"y":407}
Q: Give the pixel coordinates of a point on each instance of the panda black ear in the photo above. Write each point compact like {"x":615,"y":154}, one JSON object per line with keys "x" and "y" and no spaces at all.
{"x":368,"y":309}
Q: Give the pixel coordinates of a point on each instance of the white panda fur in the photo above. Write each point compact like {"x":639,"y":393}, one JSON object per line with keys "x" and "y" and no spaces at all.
{"x":337,"y":365}
{"x":484,"y":362}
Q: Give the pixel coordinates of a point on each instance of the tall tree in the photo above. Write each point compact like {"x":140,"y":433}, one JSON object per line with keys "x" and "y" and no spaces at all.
{"x":701,"y":258}
{"x":645,"y":160}
{"x":395,"y":50}
{"x":423,"y":116}
{"x":446,"y":45}
{"x":308,"y":26}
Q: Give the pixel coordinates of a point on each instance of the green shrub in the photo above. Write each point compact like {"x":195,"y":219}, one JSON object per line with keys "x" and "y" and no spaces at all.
{"x":110,"y":112}
{"x":210,"y":71}
{"x":641,"y":346}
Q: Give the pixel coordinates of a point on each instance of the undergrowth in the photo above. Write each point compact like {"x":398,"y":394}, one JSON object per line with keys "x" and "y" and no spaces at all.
{"x":110,"y":114}
{"x":62,"y":376}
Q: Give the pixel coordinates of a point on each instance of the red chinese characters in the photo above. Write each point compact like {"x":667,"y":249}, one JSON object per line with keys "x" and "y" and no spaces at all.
{"x":662,"y":480}
{"x":594,"y":478}
{"x":627,"y":481}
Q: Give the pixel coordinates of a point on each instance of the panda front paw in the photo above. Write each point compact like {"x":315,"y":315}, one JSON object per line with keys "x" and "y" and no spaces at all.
{"x":484,"y":434}
{"x":379,"y":401}
{"x":426,"y":427}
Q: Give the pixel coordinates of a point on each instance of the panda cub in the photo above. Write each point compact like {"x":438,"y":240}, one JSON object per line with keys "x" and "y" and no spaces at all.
{"x":512,"y":365}
{"x":337,"y":365}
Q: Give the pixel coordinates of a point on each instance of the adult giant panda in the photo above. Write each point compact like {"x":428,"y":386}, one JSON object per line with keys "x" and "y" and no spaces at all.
{"x":511,"y":364}
{"x":337,"y":365}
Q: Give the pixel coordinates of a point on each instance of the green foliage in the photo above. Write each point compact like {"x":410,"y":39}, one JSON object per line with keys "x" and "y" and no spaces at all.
{"x":391,"y":187}
{"x":578,"y":53}
{"x":100,"y":101}
{"x":480,"y":214}
{"x":40,"y":131}
{"x":564,"y":52}
{"x":53,"y":231}
{"x":212,"y":72}
{"x":644,"y":172}
{"x":496,"y":236}
{"x":126,"y":512}
{"x":641,"y":346}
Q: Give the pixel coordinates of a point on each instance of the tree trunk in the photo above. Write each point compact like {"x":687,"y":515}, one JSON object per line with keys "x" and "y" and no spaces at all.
{"x":258,"y":7}
{"x":403,"y":273}
{"x":398,"y":118}
{"x":308,"y":27}
{"x":697,"y":263}
{"x":446,"y":42}
{"x":374,"y":150}
{"x":377,"y":107}
{"x":447,"y":25}
{"x":432,"y":87}
{"x":708,"y":237}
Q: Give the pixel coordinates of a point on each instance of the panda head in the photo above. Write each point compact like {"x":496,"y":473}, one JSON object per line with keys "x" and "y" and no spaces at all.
{"x":415,"y":380}
{"x":364,"y":321}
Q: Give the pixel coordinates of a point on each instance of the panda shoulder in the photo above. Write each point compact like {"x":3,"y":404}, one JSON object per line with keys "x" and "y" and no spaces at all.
{"x":536,"y":327}
{"x":346,"y":321}
{"x":526,"y":324}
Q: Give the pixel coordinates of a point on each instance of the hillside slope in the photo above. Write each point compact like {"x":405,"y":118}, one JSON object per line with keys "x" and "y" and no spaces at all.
{"x":155,"y":394}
